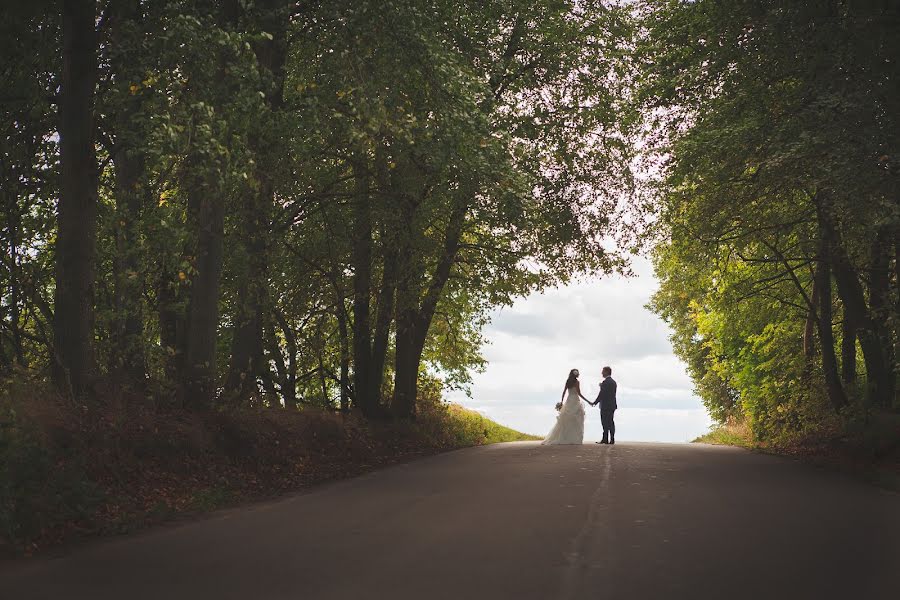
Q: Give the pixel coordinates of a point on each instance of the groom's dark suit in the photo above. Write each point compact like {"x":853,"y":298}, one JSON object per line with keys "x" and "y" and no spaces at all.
{"x":607,"y":401}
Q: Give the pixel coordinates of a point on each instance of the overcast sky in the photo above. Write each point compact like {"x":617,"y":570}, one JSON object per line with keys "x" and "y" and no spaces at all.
{"x":587,"y":325}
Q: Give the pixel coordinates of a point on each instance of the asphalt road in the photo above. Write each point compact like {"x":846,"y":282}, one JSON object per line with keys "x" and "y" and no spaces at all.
{"x":631,"y":521}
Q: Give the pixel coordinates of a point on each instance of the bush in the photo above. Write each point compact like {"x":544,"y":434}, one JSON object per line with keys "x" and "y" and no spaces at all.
{"x":39,"y":489}
{"x":731,"y":433}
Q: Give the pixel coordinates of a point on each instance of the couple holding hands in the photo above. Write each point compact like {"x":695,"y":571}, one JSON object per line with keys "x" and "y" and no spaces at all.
{"x":569,"y":427}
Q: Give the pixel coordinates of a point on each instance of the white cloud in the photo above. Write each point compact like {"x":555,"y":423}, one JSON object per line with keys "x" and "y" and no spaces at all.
{"x":586,"y":325}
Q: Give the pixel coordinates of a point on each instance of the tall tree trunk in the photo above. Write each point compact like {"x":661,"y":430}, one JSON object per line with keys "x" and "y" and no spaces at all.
{"x":879,"y":373}
{"x":414,"y":318}
{"x":406,"y":362}
{"x":384,"y":316}
{"x":171,"y":327}
{"x":129,"y":339}
{"x":344,"y":376}
{"x":73,"y":325}
{"x":207,"y":217}
{"x":410,"y":274}
{"x":127,"y":356}
{"x":833,"y":387}
{"x":247,"y":363}
{"x":881,"y":309}
{"x":389,"y":236}
{"x":362,"y":286}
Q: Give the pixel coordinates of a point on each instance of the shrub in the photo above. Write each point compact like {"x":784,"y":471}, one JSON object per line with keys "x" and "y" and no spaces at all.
{"x":39,"y":489}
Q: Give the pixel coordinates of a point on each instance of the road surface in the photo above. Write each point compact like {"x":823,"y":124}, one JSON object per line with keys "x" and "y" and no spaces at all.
{"x":627,"y":522}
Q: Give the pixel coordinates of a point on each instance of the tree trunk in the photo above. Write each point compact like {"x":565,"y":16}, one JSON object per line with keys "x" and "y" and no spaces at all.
{"x":848,"y":351}
{"x":288,"y":371}
{"x":73,"y":325}
{"x":383,"y":318}
{"x":129,"y":341}
{"x":172,"y":325}
{"x":879,"y":373}
{"x":362,"y":286}
{"x":343,"y":334}
{"x":386,"y":302}
{"x":247,"y":361}
{"x":441,"y":275}
{"x":414,"y":319}
{"x":207,"y":210}
{"x":833,"y":386}
{"x":410,"y":274}
{"x":406,"y":372}
{"x":127,"y":356}
{"x":881,"y":310}
{"x":809,"y":330}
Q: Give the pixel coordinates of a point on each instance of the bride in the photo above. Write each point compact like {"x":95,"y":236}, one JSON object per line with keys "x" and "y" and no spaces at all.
{"x":569,"y":428}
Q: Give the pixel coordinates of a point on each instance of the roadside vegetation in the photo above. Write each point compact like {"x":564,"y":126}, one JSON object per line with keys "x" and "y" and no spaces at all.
{"x":776,"y":131}
{"x":70,"y":471}
{"x":733,"y":433}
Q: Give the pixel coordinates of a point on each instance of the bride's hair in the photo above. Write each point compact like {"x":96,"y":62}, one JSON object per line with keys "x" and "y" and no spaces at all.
{"x":573,"y":378}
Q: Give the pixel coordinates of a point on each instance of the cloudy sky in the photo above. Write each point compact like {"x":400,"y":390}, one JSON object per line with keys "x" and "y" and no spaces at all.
{"x":587,"y":325}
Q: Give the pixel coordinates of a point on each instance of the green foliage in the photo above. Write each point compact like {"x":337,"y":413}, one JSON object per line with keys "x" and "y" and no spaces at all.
{"x":457,"y":426}
{"x":727,"y":434}
{"x":38,"y":489}
{"x":467,"y":152}
{"x":769,"y":129}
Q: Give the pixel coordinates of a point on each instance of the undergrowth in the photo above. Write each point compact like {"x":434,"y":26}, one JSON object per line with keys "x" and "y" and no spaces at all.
{"x":119,"y":464}
{"x":861,"y":443}
{"x":732,"y":433}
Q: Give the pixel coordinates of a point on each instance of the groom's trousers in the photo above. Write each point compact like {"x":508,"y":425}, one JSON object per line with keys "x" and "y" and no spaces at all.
{"x":609,"y":425}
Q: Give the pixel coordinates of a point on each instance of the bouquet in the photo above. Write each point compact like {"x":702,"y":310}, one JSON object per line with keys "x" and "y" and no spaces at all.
{"x":559,"y":406}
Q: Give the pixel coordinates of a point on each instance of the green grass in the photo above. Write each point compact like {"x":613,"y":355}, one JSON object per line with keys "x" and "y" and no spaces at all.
{"x":473,"y":429}
{"x":729,"y":434}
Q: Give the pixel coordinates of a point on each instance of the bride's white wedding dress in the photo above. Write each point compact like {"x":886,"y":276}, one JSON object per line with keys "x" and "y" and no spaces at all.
{"x":569,"y":428}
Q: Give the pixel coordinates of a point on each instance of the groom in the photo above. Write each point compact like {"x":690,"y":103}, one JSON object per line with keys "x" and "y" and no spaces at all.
{"x":607,"y":401}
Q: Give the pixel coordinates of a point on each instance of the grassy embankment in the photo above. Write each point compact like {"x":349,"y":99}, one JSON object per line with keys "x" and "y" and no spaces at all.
{"x":71,"y":471}
{"x":866,"y":447}
{"x":728,"y":434}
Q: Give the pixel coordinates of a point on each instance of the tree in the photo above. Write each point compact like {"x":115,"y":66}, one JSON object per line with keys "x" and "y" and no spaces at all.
{"x":77,"y":221}
{"x":771,"y":125}
{"x":308,"y":203}
{"x":270,"y":25}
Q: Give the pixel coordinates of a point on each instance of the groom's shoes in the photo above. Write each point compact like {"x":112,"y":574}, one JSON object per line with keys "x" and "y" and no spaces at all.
{"x":603,"y":441}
